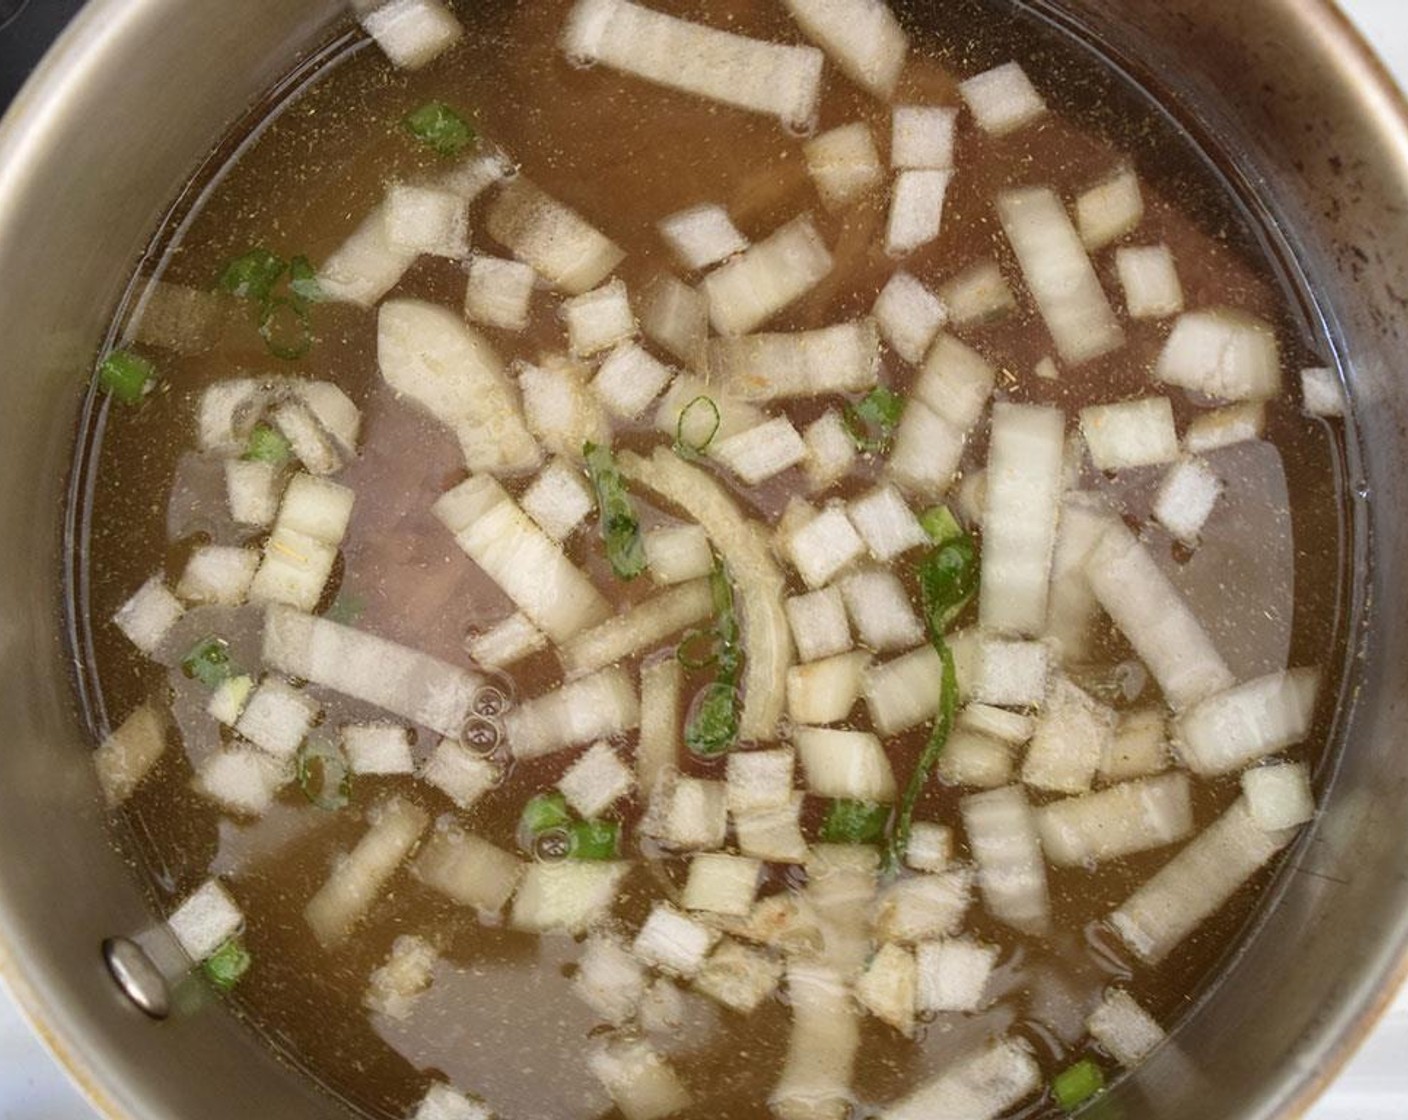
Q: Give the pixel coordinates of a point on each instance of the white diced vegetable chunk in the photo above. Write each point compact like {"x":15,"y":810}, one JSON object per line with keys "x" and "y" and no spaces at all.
{"x":825,"y":691}
{"x":1010,"y":727}
{"x":557,"y":242}
{"x":1225,"y":354}
{"x":773,"y":835}
{"x":426,"y":220}
{"x":463,"y":776}
{"x":1072,"y":734}
{"x":845,"y":764}
{"x":560,"y":409}
{"x":821,"y":1052}
{"x":558,"y":499}
{"x":688,"y":814}
{"x":977,"y":295}
{"x":148,"y":616}
{"x":956,"y":382}
{"x":677,"y":317}
{"x":980,"y":1086}
{"x":377,"y":748}
{"x":333,"y":409}
{"x":824,"y":547}
{"x":310,"y":444}
{"x":831,"y":450}
{"x":596,"y":781}
{"x":1011,"y":674}
{"x":1125,"y":1030}
{"x":316,"y":508}
{"x":468,"y":869}
{"x":905,"y":691}
{"x":629,"y":380}
{"x":916,"y":210}
{"x":1120,"y":821}
{"x":753,"y":287}
{"x":953,"y":974}
{"x":412,"y":32}
{"x":1150,"y":281}
{"x":1321,"y":393}
{"x":592,"y":707}
{"x":1223,"y":427}
{"x":1011,"y":872}
{"x":206,"y":920}
{"x":243,"y":781}
{"x":909,"y":316}
{"x":844,"y":164}
{"x":506,"y":642}
{"x":702,"y":235}
{"x":673,"y":942}
{"x":721,"y":884}
{"x":842,"y":358}
{"x":642,"y":627}
{"x":739,"y":977}
{"x":922,"y":136}
{"x":1186,"y":498}
{"x":499,"y":292}
{"x":924,"y":906}
{"x":930,"y":846}
{"x":887,"y":987}
{"x":252,"y":490}
{"x":886,"y":523}
{"x":1139,"y":747}
{"x":218,"y":574}
{"x":1109,"y":210}
{"x":398,"y":983}
{"x":640,"y":1082}
{"x":863,"y":38}
{"x":678,"y":553}
{"x":1279,"y":796}
{"x":762,"y":452}
{"x":975,"y":761}
{"x":927,"y":451}
{"x":1002,"y":99}
{"x":277,"y":717}
{"x":568,"y":897}
{"x":880,"y":610}
{"x":129,"y":752}
{"x":1130,"y":434}
{"x":443,"y":1103}
{"x":1236,"y":727}
{"x":599,"y":319}
{"x":609,"y":980}
{"x":658,"y":748}
{"x":760,"y":780}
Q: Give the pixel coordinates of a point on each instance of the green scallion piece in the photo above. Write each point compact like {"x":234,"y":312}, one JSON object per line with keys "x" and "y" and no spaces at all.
{"x":712,"y":727}
{"x":940,"y":524}
{"x":268,"y":445}
{"x":440,"y":128}
{"x":593,"y":840}
{"x":872,"y":420}
{"x":948,"y":581}
{"x":1072,"y":1087}
{"x":126,"y":376}
{"x":324,"y":775}
{"x":855,"y":822}
{"x":227,"y":964}
{"x":303,"y":280}
{"x":620,"y":530}
{"x":698,"y":649}
{"x":696,"y":427}
{"x":544,"y":813}
{"x":209,"y":662}
{"x":286,"y":328}
{"x":253,"y":275}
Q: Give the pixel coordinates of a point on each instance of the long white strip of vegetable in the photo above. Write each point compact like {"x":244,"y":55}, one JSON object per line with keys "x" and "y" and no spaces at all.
{"x":750,"y":289}
{"x":468,"y":869}
{"x":642,"y":626}
{"x":659,"y":747}
{"x":129,"y":752}
{"x":433,"y":356}
{"x":403,"y":681}
{"x":772,"y":78}
{"x":1151,"y":613}
{"x":1011,"y":873}
{"x":863,"y":38}
{"x":842,"y":880}
{"x":1071,"y":608}
{"x":1193,"y":885}
{"x":979,"y":1086}
{"x":589,"y":708}
{"x":641,"y":1083}
{"x":744,"y":548}
{"x":844,"y":358}
{"x":1233,"y":729}
{"x":956,"y":382}
{"x":356,"y":883}
{"x":1059,"y":273}
{"x":821,"y":1053}
{"x":1072,"y":733}
{"x":1119,"y":821}
{"x":562,"y":247}
{"x":1019,"y":524}
{"x":523,"y":560}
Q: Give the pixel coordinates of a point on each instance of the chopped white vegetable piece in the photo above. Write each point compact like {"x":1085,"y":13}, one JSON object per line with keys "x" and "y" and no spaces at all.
{"x":461,"y":774}
{"x":824,"y":547}
{"x":880,"y":610}
{"x":981,"y":1086}
{"x":1193,"y":885}
{"x":377,"y":748}
{"x":903,"y":692}
{"x":1155,"y":619}
{"x":1019,"y":524}
{"x":1047,"y":369}
{"x":592,"y":707}
{"x":412,"y":32}
{"x":629,"y":380}
{"x":609,"y":980}
{"x":499,"y":292}
{"x":1059,"y":274}
{"x":397,"y":984}
{"x":977,"y":295}
{"x":599,"y":319}
{"x":722,"y":884}
{"x":243,"y":781}
{"x":1002,"y":99}
{"x":844,"y":164}
{"x":358,"y":882}
{"x":252,"y":490}
{"x":930,"y":847}
{"x":1011,"y":674}
{"x":1130,"y":434}
{"x":405,"y":682}
{"x":523,"y":560}
{"x":640,"y":1082}
{"x":844,"y":358}
{"x":310,"y":444}
{"x":921,"y":136}
{"x":567,"y":897}
{"x":739,"y":977}
{"x":1120,"y":821}
{"x":553,"y":239}
{"x":316,"y":508}
{"x":760,"y":779}
{"x":975,"y":761}
{"x":678,"y":553}
{"x":658,"y":749}
{"x":218,"y":574}
{"x":1109,"y":210}
{"x":1186,"y":498}
{"x":426,"y":220}
{"x":206,"y":920}
{"x":786,"y":922}
{"x":699,"y":411}
{"x":887,"y":988}
{"x":1124,"y":1029}
{"x":1229,"y":355}
{"x":506,"y":642}
{"x":927,"y":451}
{"x":702,"y":235}
{"x":178,"y":318}
{"x":1223,"y":427}
{"x":148,"y":616}
{"x":1232,"y":729}
{"x":924,"y":906}
{"x":1073,"y":733}
{"x":559,"y":408}
{"x":433,"y":356}
{"x":956,"y":382}
{"x":1139,"y":748}
{"x":845,"y":764}
{"x":886,"y":523}
{"x":953,"y":974}
{"x":677,"y":317}
{"x":909,"y":316}
{"x":558,"y":499}
{"x":998,"y":723}
{"x":1321,"y":393}
{"x":797,"y":514}
{"x":1279,"y":796}
{"x":821,"y":1052}
{"x":641,"y":627}
{"x":687,"y":814}
{"x":673,"y":942}
{"x":773,"y":835}
{"x":762,"y":452}
{"x":916,"y":210}
{"x":1150,"y":281}
{"x":1072,"y":608}
{"x":831,"y":450}
{"x":277,"y":717}
{"x":129,"y":752}
{"x":841,"y":886}
{"x":443,"y":1103}
{"x":863,"y":38}
{"x":825,"y":691}
{"x":366,"y":266}
{"x":753,"y":287}
{"x":596,"y":781}
{"x":333,"y":409}
{"x":1002,"y":835}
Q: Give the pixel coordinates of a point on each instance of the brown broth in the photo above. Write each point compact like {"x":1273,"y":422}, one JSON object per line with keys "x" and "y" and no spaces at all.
{"x":500,"y":1019}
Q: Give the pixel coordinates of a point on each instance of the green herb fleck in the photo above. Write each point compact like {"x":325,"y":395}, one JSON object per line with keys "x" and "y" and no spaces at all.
{"x":1074,"y":1086}
{"x":712,"y":727}
{"x":545,"y":812}
{"x":303,"y":280}
{"x":253,"y":275}
{"x":698,"y":649}
{"x":696,"y":427}
{"x":619,"y":528}
{"x":872,"y":420}
{"x":286,"y":328}
{"x":227,"y":964}
{"x":593,"y":840}
{"x":940,"y":524}
{"x":209,"y":662}
{"x":126,"y":376}
{"x":268,"y":445}
{"x":440,"y":128}
{"x":855,"y":822}
{"x":324,"y":775}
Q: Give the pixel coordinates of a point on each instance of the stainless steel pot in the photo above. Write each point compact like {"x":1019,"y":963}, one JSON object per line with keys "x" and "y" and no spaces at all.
{"x":136,"y":93}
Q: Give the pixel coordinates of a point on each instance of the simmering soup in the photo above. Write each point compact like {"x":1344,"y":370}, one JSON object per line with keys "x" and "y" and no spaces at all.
{"x":708,"y":560}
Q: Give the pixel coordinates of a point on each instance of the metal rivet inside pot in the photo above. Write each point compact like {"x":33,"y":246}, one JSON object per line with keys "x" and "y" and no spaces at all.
{"x":140,"y":980}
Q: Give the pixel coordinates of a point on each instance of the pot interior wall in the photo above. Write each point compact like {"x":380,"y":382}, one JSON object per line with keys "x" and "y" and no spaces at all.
{"x":141,"y":89}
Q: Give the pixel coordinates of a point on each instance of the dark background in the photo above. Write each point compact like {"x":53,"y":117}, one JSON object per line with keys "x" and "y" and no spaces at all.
{"x":27,"y":28}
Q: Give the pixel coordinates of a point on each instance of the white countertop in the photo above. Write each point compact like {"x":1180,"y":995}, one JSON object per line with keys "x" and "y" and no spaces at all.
{"x":1374,"y":1087}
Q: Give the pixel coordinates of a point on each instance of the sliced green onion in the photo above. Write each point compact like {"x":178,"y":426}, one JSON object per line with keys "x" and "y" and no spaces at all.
{"x":268,"y":445}
{"x":696,"y":428}
{"x":1074,"y":1086}
{"x":712,"y":727}
{"x":855,"y":822}
{"x":872,"y":420}
{"x":253,"y":275}
{"x":209,"y":662}
{"x":324,"y":775}
{"x":948,"y":581}
{"x":440,"y":128}
{"x":593,"y":840}
{"x":303,"y":280}
{"x":698,"y":649}
{"x":227,"y":964}
{"x":286,"y":328}
{"x":619,"y":528}
{"x":126,"y":376}
{"x":940,"y":524}
{"x":544,"y":813}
